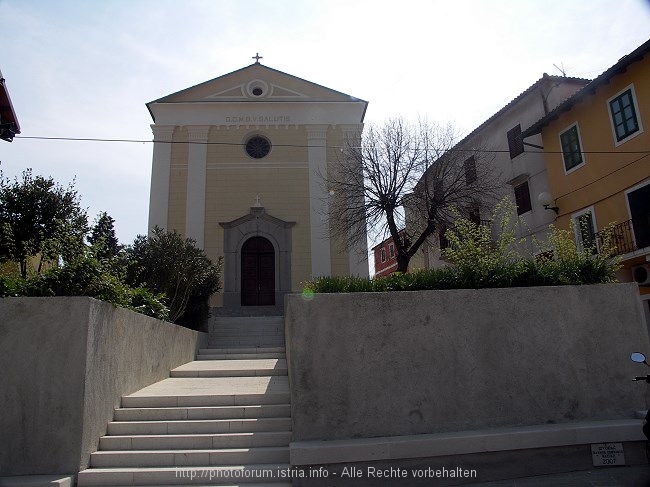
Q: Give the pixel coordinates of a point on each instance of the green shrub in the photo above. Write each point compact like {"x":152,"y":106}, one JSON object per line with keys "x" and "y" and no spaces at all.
{"x":560,"y":261}
{"x":10,"y":286}
{"x":86,"y":276}
{"x":171,"y":265}
{"x":487,"y":256}
{"x":144,"y":301}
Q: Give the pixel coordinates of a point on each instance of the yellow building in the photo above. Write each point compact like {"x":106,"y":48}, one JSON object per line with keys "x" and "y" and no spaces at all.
{"x":239,"y":164}
{"x":597,"y":149}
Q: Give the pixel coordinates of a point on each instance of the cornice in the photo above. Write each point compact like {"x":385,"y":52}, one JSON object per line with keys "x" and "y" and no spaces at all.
{"x":162,"y":133}
{"x":197,"y":133}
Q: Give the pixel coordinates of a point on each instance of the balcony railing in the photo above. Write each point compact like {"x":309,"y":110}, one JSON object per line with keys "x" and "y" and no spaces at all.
{"x":622,"y":238}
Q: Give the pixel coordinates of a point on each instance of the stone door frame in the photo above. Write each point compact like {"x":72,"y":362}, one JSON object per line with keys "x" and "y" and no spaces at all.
{"x":256,"y":224}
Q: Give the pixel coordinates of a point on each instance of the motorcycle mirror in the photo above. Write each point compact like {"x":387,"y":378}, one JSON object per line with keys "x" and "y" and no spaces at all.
{"x":637,"y":357}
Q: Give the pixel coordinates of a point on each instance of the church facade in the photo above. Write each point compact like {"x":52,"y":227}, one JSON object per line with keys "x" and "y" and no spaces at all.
{"x":240,"y":165}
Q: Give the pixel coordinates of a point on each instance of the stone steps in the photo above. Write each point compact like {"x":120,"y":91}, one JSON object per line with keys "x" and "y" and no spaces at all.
{"x":232,"y":368}
{"x":224,"y":419}
{"x":196,"y":441}
{"x":242,"y":332}
{"x":241,"y":353}
{"x":214,"y":412}
{"x":248,"y":342}
{"x":198,"y":426}
{"x":197,"y":478}
{"x":211,"y":391}
{"x":211,"y":475}
{"x":184,"y":457}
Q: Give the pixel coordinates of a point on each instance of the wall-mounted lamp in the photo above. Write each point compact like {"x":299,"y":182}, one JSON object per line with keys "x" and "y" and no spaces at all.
{"x":546,"y":200}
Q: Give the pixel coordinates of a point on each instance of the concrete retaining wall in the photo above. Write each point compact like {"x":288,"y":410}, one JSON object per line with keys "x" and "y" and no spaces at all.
{"x":65,"y":362}
{"x":408,"y":363}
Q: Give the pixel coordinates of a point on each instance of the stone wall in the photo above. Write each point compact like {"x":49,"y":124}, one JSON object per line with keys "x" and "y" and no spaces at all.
{"x":408,"y":363}
{"x":65,"y":363}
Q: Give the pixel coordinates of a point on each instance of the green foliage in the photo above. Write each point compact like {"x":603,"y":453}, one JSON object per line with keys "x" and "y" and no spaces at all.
{"x":144,"y":301}
{"x":443,"y":278}
{"x":11,"y":286}
{"x":39,"y":217}
{"x":486,"y":256}
{"x":340,"y":284}
{"x":86,"y":276}
{"x":561,"y":261}
{"x":102,"y":237}
{"x":164,"y":275}
{"x":169,"y":264}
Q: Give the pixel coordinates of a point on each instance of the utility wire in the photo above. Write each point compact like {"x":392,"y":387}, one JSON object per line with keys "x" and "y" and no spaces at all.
{"x":297,"y":146}
{"x":604,"y":177}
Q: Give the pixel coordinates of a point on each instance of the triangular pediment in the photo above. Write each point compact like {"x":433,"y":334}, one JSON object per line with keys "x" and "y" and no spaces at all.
{"x":244,"y":91}
{"x":234,"y":93}
{"x":257,"y":83}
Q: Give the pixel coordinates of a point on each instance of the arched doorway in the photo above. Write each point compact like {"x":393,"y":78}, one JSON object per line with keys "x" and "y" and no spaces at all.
{"x":257,"y":272}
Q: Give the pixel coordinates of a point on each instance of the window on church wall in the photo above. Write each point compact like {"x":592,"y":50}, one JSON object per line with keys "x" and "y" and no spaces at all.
{"x":391,"y":250}
{"x":258,"y":147}
{"x":383,"y":254}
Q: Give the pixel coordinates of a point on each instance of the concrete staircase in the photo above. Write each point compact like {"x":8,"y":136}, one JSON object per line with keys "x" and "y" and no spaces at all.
{"x":252,"y":332}
{"x":223,"y":419}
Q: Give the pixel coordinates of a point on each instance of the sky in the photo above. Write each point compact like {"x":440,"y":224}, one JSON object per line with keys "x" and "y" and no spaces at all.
{"x":86,"y":69}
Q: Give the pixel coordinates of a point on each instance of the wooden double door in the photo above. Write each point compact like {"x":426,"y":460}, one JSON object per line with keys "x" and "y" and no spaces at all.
{"x":257,"y":272}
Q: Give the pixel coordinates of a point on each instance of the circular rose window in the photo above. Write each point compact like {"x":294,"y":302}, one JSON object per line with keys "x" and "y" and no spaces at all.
{"x":258,"y":147}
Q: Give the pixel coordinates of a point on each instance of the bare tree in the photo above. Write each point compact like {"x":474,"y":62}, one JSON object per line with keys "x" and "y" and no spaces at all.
{"x":402,"y":180}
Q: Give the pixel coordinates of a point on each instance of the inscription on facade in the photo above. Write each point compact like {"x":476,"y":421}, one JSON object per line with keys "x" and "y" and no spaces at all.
{"x":259,"y":119}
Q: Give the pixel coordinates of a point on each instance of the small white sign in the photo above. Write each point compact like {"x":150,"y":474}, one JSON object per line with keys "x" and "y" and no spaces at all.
{"x":607,"y":454}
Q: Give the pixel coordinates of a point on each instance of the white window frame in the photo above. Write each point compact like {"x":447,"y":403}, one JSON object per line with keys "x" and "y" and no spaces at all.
{"x":576,"y":226}
{"x":382,"y":254}
{"x":636,"y":110}
{"x":582,"y":149}
{"x":391,"y":250}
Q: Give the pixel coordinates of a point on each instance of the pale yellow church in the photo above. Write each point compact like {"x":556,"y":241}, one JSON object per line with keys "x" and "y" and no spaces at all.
{"x":240,"y":164}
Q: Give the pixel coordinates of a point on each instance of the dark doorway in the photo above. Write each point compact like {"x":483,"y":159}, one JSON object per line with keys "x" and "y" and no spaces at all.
{"x":639,"y":201}
{"x":257,"y":272}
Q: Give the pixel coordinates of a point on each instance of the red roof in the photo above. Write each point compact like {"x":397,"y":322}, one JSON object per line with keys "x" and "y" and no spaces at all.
{"x":603,"y":79}
{"x":9,"y":125}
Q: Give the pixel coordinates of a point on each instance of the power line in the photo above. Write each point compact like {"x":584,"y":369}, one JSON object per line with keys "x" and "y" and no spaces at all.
{"x":297,"y":146}
{"x":604,"y":177}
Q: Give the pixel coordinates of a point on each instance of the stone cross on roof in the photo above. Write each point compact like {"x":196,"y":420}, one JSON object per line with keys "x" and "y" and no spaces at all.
{"x":257,"y":57}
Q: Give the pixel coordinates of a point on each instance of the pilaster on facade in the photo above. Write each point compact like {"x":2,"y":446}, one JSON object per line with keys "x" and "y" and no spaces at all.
{"x":321,"y":262}
{"x":196,"y":178}
{"x":160,"y":167}
{"x":357,"y":253}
